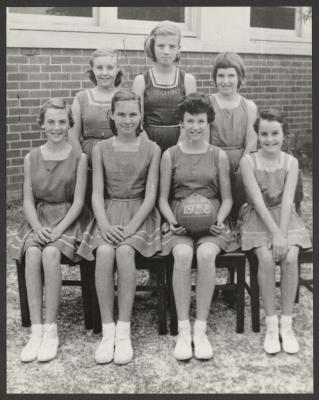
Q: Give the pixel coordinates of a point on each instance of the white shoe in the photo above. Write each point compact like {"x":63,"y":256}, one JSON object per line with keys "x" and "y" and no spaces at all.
{"x":271,"y":343}
{"x":49,"y":347}
{"x":30,"y":351}
{"x":123,"y":350}
{"x":289,"y":342}
{"x":105,"y":351}
{"x":183,"y":347}
{"x":203,"y":349}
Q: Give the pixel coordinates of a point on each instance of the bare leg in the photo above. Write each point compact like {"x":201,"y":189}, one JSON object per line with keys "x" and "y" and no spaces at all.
{"x":183,"y":256}
{"x":51,"y":259}
{"x":206,"y":278}
{"x":289,"y":280}
{"x":104,"y":281}
{"x":33,"y":277}
{"x":266,"y":279}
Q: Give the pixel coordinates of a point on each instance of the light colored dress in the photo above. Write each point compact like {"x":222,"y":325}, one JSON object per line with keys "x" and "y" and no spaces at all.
{"x":196,"y":173}
{"x":53,"y":184}
{"x":161,"y":119}
{"x":271,"y":182}
{"x":125,"y":181}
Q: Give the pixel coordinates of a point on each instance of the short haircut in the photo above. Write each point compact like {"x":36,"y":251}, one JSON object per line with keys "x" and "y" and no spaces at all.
{"x":196,"y":103}
{"x":230,"y":60}
{"x":125,"y":95}
{"x":59,"y":104}
{"x":272,"y":114}
{"x":164,"y":28}
{"x":103,"y":53}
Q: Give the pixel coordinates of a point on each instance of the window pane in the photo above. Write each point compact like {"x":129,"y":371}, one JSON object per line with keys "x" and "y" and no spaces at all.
{"x":176,"y":14}
{"x":69,"y":11}
{"x":272,"y":17}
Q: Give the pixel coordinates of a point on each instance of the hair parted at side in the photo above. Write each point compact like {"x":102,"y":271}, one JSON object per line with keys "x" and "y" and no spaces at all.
{"x":230,"y":60}
{"x":124,"y":95}
{"x":56,"y":103}
{"x":102,"y":53}
{"x":164,"y":28}
{"x":272,"y":114}
{"x":196,"y":103}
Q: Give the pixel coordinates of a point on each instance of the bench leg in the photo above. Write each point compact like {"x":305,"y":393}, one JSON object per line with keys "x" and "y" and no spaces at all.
{"x":24,"y":305}
{"x":86,"y":294}
{"x":254,"y":299}
{"x":298,"y":287}
{"x":95,"y":309}
{"x":170,"y":294}
{"x":240,"y":306}
{"x":161,"y":297}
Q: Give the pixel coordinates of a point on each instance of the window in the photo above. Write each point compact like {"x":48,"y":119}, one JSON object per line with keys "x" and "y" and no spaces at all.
{"x":275,"y":23}
{"x":176,"y":14}
{"x":68,"y":11}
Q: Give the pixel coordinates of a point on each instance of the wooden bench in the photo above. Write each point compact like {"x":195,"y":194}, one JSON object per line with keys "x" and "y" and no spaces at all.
{"x":305,"y":256}
{"x":157,"y":264}
{"x":236,"y":263}
{"x":84,"y":282}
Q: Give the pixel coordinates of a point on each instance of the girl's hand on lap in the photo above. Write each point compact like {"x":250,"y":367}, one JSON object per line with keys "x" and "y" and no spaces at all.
{"x":279,"y":246}
{"x":55,"y":234}
{"x":113,"y":234}
{"x":128,"y":231}
{"x":217,"y":228}
{"x":43,"y":235}
{"x":177,"y":229}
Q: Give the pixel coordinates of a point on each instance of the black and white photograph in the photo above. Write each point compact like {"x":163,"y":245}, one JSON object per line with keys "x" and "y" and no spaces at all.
{"x":159,"y":200}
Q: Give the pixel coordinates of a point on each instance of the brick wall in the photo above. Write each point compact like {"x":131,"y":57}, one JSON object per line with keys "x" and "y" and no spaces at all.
{"x":33,"y":75}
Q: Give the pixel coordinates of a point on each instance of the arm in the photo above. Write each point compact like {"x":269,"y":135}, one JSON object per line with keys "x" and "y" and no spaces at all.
{"x":78,"y":199}
{"x":42,"y":233}
{"x":165,"y":187}
{"x":225,"y":192}
{"x":110,"y":233}
{"x":150,"y":195}
{"x":138,"y":87}
{"x":251,"y":137}
{"x":288,"y":196}
{"x":251,"y":185}
{"x":74,"y":133}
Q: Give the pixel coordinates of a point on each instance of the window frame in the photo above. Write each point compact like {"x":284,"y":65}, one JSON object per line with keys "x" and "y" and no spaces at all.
{"x":270,"y":34}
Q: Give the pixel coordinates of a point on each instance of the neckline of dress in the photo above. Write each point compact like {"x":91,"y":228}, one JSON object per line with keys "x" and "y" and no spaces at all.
{"x":174,"y":84}
{"x":126,"y":151}
{"x":261,"y":166}
{"x":193,"y":154}
{"x":227,"y":108}
{"x":54,"y":160}
{"x":94,"y":100}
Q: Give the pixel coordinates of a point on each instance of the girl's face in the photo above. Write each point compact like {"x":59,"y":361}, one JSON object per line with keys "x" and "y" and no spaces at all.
{"x":56,"y":125}
{"x":227,"y":81}
{"x":166,"y":49}
{"x":195,"y":126}
{"x":105,"y":70}
{"x":126,"y":117}
{"x":270,"y":135}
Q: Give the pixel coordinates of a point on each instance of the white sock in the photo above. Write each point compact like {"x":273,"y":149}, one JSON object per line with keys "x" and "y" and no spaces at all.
{"x":108,"y":329}
{"x":37,"y":329}
{"x":184,"y":326}
{"x":272,"y":322}
{"x":199,"y":327}
{"x":123,"y":329}
{"x":285,"y":322}
{"x":51,"y":329}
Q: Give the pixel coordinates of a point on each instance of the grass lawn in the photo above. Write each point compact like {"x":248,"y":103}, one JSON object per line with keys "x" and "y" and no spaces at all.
{"x":239,"y":364}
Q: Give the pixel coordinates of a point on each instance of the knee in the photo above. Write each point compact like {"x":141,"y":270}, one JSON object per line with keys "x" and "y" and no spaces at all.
{"x":51,"y":255}
{"x":291,"y":259}
{"x":265,"y":260}
{"x":206,"y":256}
{"x":125,"y":258}
{"x":183,"y":257}
{"x":105,"y":257}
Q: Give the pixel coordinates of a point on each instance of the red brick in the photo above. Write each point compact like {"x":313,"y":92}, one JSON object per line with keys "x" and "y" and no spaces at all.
{"x":80,"y":60}
{"x":71,"y":52}
{"x":13,"y":153}
{"x":60,"y":93}
{"x":30,"y":135}
{"x":51,"y":85}
{"x":13,"y":51}
{"x":18,"y":94}
{"x":37,"y":143}
{"x":17,"y":77}
{"x":60,"y":77}
{"x":12,"y":68}
{"x":13,"y":171}
{"x":72,"y":85}
{"x":16,"y":178}
{"x":23,"y":144}
{"x":40,"y":93}
{"x":60,"y":60}
{"x":30,"y":85}
{"x":19,"y":127}
{"x":30,"y":102}
{"x":19,"y":111}
{"x":17,"y":161}
{"x":13,"y":85}
{"x":40,"y":60}
{"x":51,"y":68}
{"x":17,"y":60}
{"x":30,"y":68}
{"x":13,"y":137}
{"x":31,"y":52}
{"x":39,"y":77}
{"x":71,"y":68}
{"x":53,"y":51}
{"x":12,"y":103}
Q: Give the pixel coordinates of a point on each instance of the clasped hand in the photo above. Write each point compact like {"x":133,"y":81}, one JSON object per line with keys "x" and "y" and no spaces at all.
{"x":115,"y":234}
{"x":45,"y":235}
{"x":217,"y":228}
{"x":279,"y":246}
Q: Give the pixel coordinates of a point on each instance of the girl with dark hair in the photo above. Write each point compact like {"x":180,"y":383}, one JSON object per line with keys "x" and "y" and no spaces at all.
{"x":125,"y":180}
{"x":271,"y":227}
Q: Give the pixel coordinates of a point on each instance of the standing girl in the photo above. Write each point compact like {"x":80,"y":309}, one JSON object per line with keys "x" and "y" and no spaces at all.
{"x":54,"y":190}
{"x":162,"y":86}
{"x":232,"y":129}
{"x":194,"y":166}
{"x":271,"y":226}
{"x":91,"y":107}
{"x":126,"y":169}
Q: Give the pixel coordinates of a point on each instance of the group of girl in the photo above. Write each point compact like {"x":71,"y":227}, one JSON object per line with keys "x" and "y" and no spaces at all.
{"x":91,"y":191}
